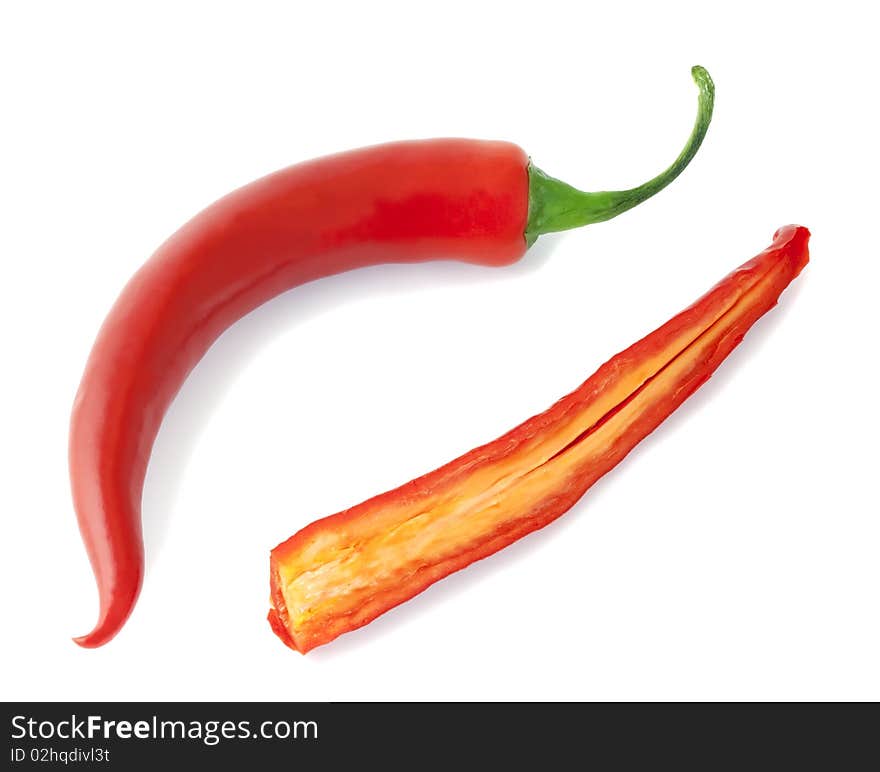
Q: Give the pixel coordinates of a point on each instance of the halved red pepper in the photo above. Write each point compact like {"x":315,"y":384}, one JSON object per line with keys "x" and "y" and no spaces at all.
{"x":343,"y":571}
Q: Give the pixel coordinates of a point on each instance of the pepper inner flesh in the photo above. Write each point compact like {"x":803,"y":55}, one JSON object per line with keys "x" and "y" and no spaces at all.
{"x":335,"y":573}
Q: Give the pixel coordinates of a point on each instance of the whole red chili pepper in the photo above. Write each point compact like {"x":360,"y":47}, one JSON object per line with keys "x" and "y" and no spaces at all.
{"x":477,"y":201}
{"x":341,"y":572}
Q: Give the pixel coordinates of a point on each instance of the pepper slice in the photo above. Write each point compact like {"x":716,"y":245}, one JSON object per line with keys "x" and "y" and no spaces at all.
{"x":342,"y":571}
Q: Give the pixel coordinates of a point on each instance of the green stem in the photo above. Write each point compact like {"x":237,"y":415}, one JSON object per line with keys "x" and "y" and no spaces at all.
{"x":557,"y":206}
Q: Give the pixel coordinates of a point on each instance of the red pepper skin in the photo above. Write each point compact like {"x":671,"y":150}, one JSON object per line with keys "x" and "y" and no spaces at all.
{"x":396,"y":203}
{"x":341,"y":572}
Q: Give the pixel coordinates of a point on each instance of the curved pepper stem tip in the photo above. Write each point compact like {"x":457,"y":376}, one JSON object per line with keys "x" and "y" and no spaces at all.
{"x":556,"y":206}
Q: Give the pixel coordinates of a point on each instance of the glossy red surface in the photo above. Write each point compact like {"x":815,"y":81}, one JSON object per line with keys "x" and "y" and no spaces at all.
{"x":401,"y":202}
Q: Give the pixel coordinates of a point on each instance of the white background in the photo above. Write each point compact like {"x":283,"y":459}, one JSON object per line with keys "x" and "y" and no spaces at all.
{"x":733,"y":555}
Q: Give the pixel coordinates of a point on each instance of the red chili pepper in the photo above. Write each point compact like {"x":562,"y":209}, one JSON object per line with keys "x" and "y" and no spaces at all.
{"x":476,"y":201}
{"x":343,"y":571}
